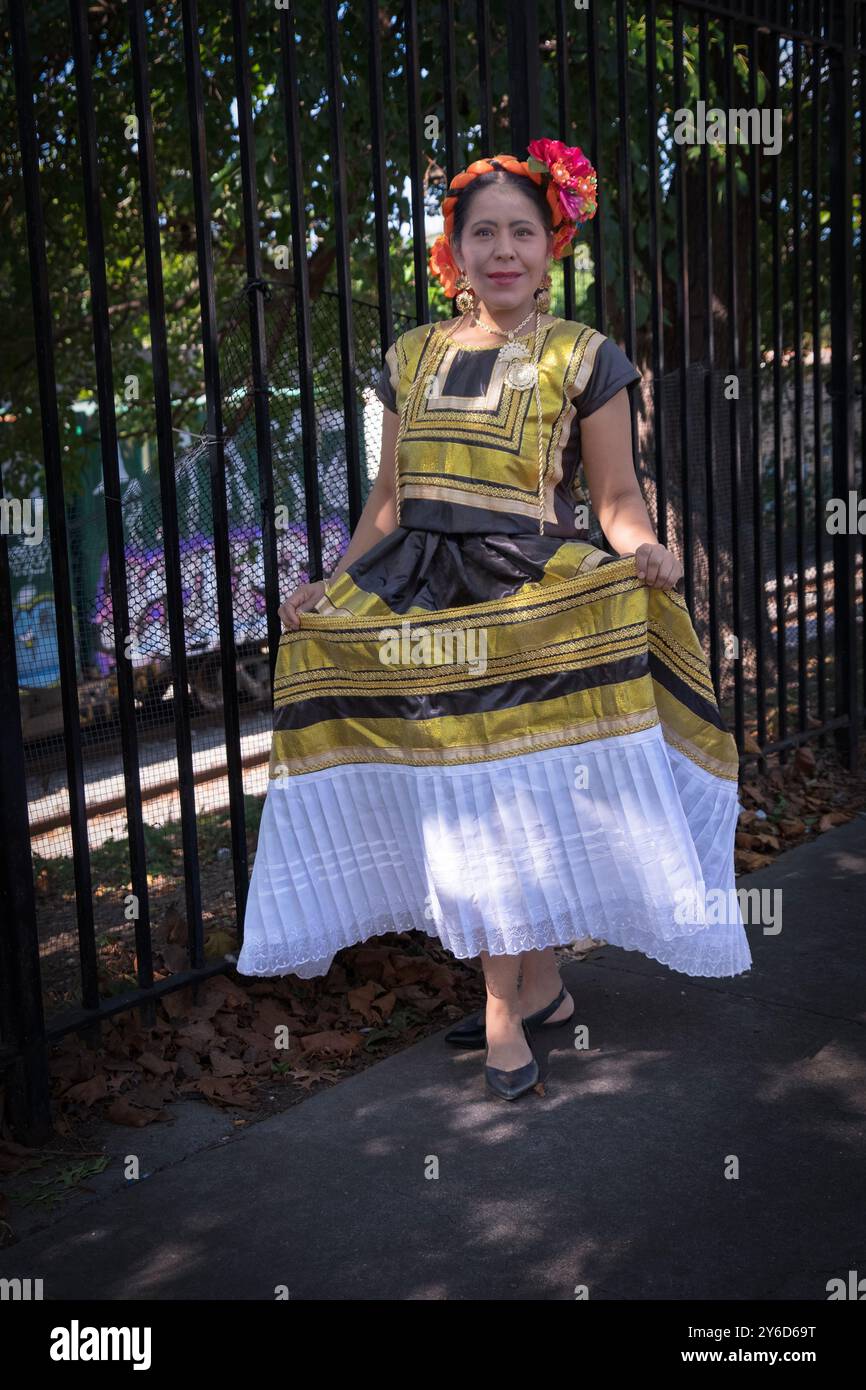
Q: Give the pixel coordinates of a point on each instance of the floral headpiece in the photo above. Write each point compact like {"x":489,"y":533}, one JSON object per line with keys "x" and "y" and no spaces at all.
{"x":571,"y":192}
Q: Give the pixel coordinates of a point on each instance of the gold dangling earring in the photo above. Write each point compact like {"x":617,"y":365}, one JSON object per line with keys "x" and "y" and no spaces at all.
{"x":465,"y":293}
{"x":542,"y":294}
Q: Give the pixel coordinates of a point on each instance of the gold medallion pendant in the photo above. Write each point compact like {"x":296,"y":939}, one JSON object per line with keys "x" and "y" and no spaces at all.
{"x":521,"y":375}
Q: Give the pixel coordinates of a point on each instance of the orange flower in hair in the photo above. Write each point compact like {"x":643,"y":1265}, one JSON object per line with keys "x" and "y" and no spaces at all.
{"x":443,"y":265}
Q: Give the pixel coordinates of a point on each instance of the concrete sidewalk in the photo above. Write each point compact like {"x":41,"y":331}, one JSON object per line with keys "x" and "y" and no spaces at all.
{"x":407,"y":1182}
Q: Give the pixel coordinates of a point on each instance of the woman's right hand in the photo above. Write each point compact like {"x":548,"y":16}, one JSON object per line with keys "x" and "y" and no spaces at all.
{"x":306,"y":596}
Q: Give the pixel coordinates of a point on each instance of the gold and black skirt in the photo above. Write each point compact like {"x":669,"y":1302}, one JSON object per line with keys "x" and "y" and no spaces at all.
{"x":506,"y":742}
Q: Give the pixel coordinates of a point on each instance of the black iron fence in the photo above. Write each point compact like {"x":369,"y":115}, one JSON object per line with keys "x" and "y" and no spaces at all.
{"x":216,"y":219}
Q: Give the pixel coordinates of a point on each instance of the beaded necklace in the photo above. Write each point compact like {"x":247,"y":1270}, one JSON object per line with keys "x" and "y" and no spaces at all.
{"x":511,"y":349}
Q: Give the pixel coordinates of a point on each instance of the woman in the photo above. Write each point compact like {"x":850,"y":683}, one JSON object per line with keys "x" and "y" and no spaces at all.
{"x":485,"y":727}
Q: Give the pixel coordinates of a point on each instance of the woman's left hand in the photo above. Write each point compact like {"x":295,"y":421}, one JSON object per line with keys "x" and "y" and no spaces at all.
{"x":657,"y":566}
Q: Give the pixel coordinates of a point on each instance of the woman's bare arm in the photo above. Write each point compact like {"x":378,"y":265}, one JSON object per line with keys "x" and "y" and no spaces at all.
{"x":376,"y":520}
{"x":605,"y":444}
{"x":379,"y":516}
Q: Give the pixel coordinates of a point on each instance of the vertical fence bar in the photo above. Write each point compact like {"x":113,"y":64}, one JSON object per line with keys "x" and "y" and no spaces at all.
{"x":28,"y":1109}
{"x":256,"y":290}
{"x":58,"y":540}
{"x":167,"y":489}
{"x":655,"y":278}
{"x":862,"y":131}
{"x":113,"y":505}
{"x":861,"y":128}
{"x":301,"y":276}
{"x":380,"y":182}
{"x":625,"y":181}
{"x":419,"y":256}
{"x":778,"y":459}
{"x":625,"y":211}
{"x":598,"y":260}
{"x":453,"y":140}
{"x":757,"y":412}
{"x":485,"y":89}
{"x":683,"y":316}
{"x":344,"y":276}
{"x":524,"y":74}
{"x":733,"y":310}
{"x":818,"y":380}
{"x":23,"y":1033}
{"x":818,"y":384}
{"x":842,"y":378}
{"x":216,"y":454}
{"x":797,"y":332}
{"x":709,"y":384}
{"x":563,"y":111}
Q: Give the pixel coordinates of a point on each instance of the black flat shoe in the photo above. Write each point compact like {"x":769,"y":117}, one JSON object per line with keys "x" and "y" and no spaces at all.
{"x":472,"y":1032}
{"x":511,"y":1084}
{"x":469,"y":1033}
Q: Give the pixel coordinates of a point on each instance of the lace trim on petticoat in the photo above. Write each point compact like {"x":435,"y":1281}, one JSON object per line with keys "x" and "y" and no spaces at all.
{"x":707,"y":949}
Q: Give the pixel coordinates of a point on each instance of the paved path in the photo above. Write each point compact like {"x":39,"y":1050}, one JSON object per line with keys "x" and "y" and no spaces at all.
{"x":406,"y":1182}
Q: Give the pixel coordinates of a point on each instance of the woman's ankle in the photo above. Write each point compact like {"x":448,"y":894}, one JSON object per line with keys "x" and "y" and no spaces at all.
{"x":534,"y":998}
{"x":503,"y":1009}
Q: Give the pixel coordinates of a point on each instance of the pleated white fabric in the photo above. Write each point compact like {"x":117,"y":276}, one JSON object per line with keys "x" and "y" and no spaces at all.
{"x":608,"y":839}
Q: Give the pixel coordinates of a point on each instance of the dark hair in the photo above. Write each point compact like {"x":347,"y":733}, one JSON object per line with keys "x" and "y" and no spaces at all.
{"x":535,"y":192}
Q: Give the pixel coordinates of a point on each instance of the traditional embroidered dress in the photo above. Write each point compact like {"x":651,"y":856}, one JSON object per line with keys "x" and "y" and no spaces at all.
{"x":501,"y":738}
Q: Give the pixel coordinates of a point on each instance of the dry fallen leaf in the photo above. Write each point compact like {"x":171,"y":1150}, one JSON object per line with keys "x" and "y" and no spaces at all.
{"x":764,"y":840}
{"x":833,"y":818}
{"x":157,"y":1066}
{"x":333,"y":1043}
{"x":218,"y":943}
{"x":804,"y":760}
{"x":222,"y":1090}
{"x":791,"y":828}
{"x":88,"y":1092}
{"x":224,"y":1065}
{"x":121,"y":1112}
{"x":746,"y":860}
{"x":360,"y":1000}
{"x":173,"y":927}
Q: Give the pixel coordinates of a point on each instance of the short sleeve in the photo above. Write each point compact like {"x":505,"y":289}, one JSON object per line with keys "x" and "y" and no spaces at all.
{"x":386,"y":386}
{"x":610,"y":372}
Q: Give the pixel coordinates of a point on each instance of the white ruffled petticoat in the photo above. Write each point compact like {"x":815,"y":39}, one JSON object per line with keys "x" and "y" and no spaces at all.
{"x":608,"y":838}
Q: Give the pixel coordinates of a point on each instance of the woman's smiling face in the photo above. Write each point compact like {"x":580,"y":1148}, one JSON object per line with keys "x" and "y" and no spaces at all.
{"x":504,"y":248}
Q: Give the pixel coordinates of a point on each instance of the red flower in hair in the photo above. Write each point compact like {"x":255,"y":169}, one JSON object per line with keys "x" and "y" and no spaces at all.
{"x":573,"y":179}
